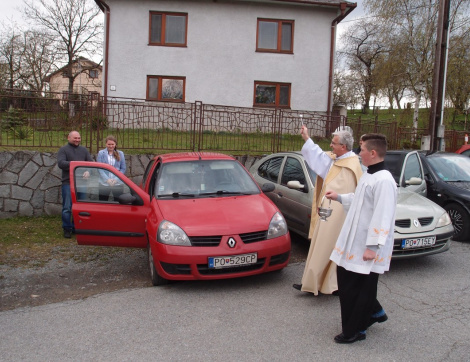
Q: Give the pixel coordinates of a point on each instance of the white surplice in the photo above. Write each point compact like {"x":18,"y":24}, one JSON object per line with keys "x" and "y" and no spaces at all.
{"x":370,"y":221}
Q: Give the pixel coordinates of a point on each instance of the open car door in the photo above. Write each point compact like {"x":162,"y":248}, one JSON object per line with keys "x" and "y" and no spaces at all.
{"x":104,"y":217}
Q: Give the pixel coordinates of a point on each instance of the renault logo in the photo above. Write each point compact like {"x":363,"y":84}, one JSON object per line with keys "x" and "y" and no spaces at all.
{"x":416,"y":223}
{"x":231,"y":242}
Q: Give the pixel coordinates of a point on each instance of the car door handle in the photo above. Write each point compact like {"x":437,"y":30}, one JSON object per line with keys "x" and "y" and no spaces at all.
{"x":83,"y":213}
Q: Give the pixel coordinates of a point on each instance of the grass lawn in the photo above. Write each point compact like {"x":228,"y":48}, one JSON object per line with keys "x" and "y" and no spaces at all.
{"x":33,"y":241}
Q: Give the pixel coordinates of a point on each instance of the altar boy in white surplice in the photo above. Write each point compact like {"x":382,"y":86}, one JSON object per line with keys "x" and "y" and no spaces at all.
{"x":365,"y":244}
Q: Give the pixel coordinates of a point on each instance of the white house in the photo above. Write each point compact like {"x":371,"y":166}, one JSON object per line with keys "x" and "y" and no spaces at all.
{"x":267,"y":53}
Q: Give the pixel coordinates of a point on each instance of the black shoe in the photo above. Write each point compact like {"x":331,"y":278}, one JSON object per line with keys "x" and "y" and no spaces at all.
{"x":297,"y":286}
{"x":67,"y":233}
{"x":341,"y":338}
{"x":380,"y":319}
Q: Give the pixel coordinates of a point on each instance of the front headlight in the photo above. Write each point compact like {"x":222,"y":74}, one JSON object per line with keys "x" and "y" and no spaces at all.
{"x":444,"y":220}
{"x":277,"y":226}
{"x":172,"y":234}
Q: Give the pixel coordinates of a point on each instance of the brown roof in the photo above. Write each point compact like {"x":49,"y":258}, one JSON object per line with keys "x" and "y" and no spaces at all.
{"x":335,"y":3}
{"x":81,"y":59}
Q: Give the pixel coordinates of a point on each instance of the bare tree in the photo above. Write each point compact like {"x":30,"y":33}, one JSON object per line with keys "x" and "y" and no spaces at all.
{"x":412,"y":37}
{"x":11,"y":55}
{"x":38,"y":59}
{"x":76,"y":26}
{"x":458,"y":73}
{"x":362,"y":49}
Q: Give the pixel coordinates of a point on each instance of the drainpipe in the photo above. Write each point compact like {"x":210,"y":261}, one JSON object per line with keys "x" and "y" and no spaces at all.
{"x":107,"y":11}
{"x":335,"y":22}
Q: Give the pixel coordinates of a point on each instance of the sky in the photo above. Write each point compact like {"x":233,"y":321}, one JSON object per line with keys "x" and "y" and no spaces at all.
{"x":8,"y":10}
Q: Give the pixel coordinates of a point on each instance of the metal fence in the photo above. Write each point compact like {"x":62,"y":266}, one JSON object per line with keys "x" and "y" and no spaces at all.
{"x":43,"y":120}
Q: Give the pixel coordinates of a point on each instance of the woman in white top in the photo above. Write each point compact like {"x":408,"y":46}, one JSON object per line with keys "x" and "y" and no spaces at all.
{"x":109,"y":182}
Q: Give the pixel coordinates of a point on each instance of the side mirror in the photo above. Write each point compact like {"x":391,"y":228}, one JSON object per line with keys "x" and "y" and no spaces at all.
{"x":295,"y":185}
{"x":414,"y":181}
{"x":268,"y":187}
{"x":128,"y":199}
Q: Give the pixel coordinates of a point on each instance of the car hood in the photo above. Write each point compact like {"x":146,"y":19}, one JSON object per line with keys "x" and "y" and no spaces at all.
{"x":411,"y":205}
{"x":221,"y":215}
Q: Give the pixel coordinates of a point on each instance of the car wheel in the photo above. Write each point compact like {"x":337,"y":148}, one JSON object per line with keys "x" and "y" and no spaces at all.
{"x":156,"y":278}
{"x":461,"y":221}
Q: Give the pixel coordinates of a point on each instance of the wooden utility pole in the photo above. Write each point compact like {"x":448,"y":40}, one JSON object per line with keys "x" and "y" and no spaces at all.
{"x":436,"y":128}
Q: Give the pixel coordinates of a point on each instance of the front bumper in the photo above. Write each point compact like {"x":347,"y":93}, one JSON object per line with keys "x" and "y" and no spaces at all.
{"x":443,"y":240}
{"x":192,"y":262}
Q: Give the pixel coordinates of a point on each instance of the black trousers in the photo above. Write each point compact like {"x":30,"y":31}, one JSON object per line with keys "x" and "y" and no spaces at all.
{"x":358,"y":299}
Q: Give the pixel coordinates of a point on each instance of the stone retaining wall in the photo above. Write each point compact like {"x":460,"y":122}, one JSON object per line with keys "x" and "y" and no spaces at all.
{"x":30,"y":181}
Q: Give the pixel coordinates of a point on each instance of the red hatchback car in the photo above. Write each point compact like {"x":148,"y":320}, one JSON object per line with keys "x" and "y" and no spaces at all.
{"x":200,"y":216}
{"x":464,"y":150}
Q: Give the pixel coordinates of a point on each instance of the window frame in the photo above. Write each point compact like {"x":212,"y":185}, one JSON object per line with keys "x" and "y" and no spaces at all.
{"x":280,"y":22}
{"x":159,"y":93}
{"x":278,"y":94}
{"x":93,"y":71}
{"x":162,"y":42}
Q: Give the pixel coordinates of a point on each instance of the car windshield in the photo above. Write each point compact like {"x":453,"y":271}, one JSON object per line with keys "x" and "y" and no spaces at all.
{"x":451,"y":167}
{"x":204,"y":178}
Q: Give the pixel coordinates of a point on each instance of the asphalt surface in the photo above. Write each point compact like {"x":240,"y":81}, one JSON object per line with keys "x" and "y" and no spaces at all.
{"x":259,"y":318}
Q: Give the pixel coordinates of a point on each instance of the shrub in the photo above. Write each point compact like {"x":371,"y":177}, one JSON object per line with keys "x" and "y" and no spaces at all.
{"x":13,"y":118}
{"x":22,"y":133}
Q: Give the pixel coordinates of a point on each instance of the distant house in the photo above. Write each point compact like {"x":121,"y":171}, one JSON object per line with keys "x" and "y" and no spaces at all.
{"x":259,"y":53}
{"x":88,"y":79}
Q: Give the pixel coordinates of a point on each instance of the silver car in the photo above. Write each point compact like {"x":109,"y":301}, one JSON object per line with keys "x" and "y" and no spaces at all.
{"x":421,"y":226}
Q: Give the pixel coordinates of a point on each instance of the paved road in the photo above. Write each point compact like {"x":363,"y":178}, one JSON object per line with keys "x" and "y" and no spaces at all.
{"x":253,"y":319}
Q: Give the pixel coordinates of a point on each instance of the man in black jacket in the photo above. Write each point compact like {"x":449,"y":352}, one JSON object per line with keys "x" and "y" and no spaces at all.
{"x":70,"y":152}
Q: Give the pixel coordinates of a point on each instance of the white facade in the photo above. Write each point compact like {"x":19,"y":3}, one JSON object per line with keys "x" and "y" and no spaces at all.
{"x":220,"y":61}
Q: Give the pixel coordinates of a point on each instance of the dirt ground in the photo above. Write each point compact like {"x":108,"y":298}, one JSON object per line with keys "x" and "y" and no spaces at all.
{"x":102,"y":270}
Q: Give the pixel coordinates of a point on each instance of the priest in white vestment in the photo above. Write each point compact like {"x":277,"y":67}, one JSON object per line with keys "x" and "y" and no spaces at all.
{"x":339,"y":171}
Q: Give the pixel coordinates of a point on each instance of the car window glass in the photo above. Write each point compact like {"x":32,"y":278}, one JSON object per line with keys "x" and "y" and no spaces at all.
{"x":204,"y":178}
{"x":393,"y":164}
{"x":412,"y":167}
{"x":146,"y":173}
{"x":96,"y":184}
{"x":292,"y":171}
{"x":312,"y":174}
{"x":270,"y":169}
{"x":451,"y":168}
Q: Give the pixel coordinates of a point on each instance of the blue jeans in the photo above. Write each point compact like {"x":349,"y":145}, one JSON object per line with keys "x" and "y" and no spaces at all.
{"x":67,"y":223}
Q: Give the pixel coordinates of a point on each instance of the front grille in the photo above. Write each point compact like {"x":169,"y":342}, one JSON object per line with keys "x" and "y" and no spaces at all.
{"x":204,"y":269}
{"x":254,"y":237}
{"x":279,"y":259}
{"x":425,"y":221}
{"x":404,"y":223}
{"x":175,"y":269}
{"x":205,"y":240}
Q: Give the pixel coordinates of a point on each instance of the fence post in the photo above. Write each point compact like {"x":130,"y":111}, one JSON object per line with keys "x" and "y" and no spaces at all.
{"x":198,"y":122}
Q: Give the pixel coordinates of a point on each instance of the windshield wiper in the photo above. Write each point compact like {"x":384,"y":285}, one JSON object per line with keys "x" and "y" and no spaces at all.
{"x":177,"y":194}
{"x":224,"y":192}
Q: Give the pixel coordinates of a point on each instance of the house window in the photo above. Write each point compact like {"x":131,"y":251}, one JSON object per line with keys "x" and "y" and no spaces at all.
{"x":275,"y":36}
{"x":272,"y":94}
{"x":168,"y":29}
{"x":93,"y":73}
{"x":162,"y":88}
